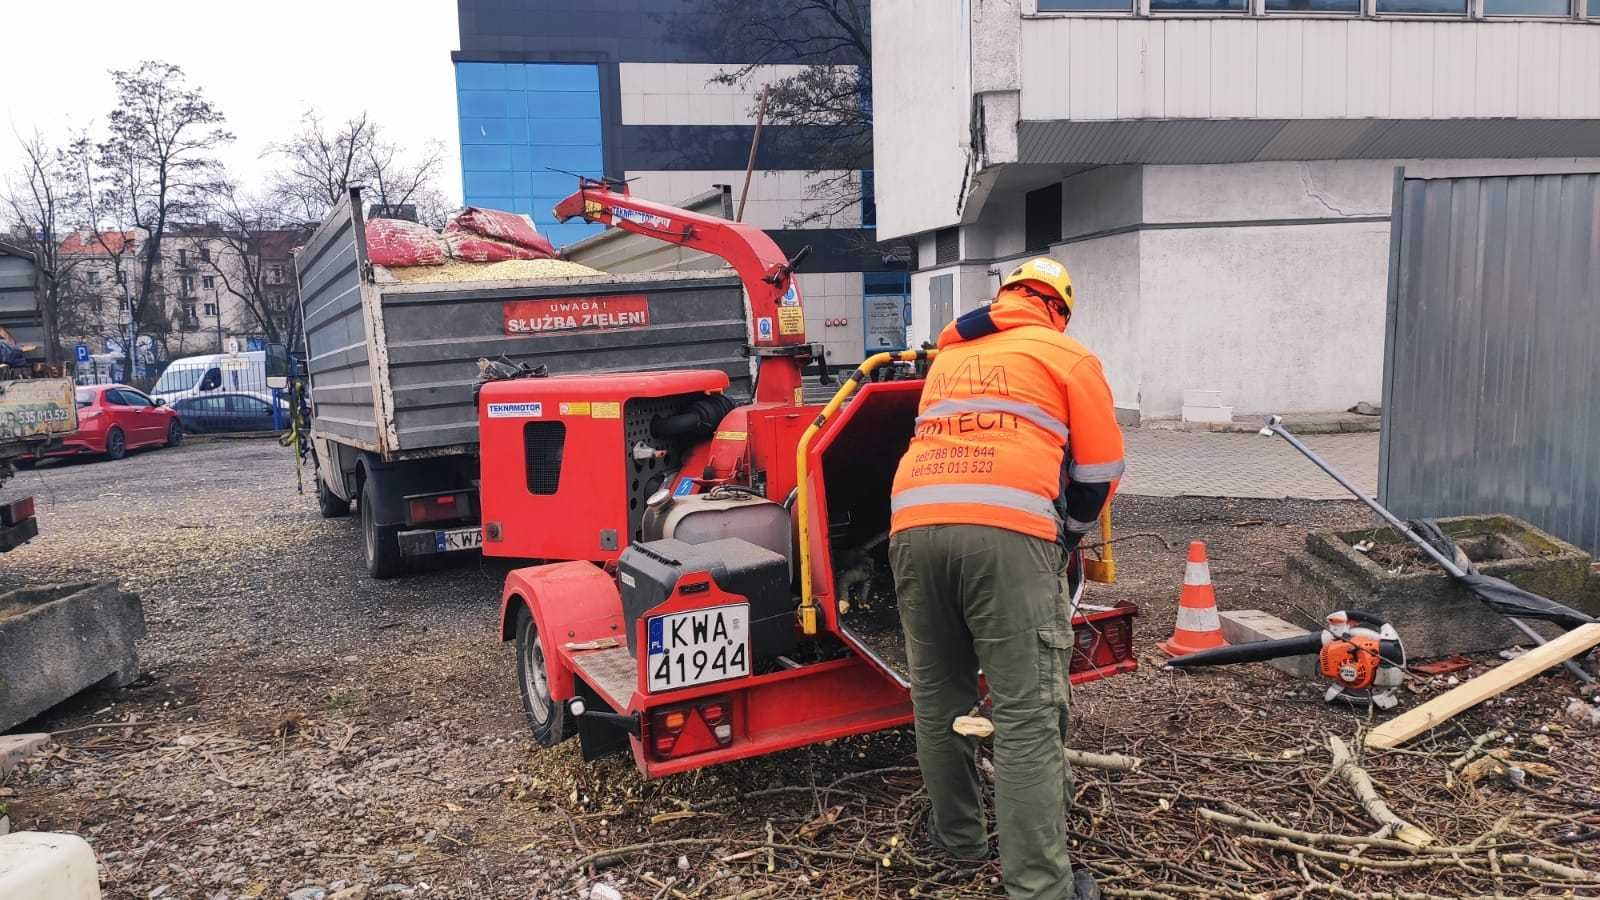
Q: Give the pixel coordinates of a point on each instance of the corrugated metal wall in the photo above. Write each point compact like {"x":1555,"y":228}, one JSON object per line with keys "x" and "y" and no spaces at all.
{"x":1492,"y":366}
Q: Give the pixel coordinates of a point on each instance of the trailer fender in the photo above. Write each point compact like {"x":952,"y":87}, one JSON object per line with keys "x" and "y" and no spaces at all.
{"x":571,"y":602}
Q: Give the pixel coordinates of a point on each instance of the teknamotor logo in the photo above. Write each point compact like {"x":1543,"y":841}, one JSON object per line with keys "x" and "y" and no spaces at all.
{"x":516,"y":410}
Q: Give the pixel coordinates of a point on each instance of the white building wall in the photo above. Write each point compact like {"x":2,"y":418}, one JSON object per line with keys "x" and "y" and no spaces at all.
{"x":1088,"y":69}
{"x":688,"y":93}
{"x":919,"y":105}
{"x":1218,"y":289}
{"x":776,"y":196}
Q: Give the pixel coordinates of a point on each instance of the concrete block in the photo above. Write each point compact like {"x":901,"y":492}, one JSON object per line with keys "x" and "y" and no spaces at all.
{"x":1243,"y":626}
{"x":1207,"y":413}
{"x":43,"y":865}
{"x":1434,"y":615}
{"x":59,"y":640}
{"x":14,"y":748}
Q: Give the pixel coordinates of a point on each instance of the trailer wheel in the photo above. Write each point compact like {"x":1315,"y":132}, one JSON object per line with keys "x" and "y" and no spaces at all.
{"x":329,"y":504}
{"x":546,"y":717}
{"x":380,"y":544}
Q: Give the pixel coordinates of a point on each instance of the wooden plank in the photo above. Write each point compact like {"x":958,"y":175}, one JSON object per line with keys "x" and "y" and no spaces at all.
{"x":1440,"y":709}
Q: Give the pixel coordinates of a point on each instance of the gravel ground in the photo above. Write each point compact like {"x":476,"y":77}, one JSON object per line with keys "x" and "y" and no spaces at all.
{"x":301,"y":728}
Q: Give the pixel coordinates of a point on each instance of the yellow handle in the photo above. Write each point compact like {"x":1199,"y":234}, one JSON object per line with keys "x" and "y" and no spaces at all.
{"x":1104,"y":569}
{"x":802,"y":506}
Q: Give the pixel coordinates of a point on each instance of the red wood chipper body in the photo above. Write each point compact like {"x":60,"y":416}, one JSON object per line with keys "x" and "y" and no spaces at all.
{"x":722,"y":588}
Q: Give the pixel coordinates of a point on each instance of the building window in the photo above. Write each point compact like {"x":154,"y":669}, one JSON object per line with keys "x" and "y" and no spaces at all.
{"x":1084,"y":6}
{"x":94,"y":277}
{"x":122,"y":278}
{"x":205,"y":254}
{"x":1197,"y":6}
{"x":185,"y":284}
{"x":946,"y":246}
{"x":206,"y":281}
{"x":1041,"y":212}
{"x":276,"y":274}
{"x":1424,"y":7}
{"x":1351,"y":7}
{"x":183,"y":257}
{"x":211,"y":309}
{"x":1526,"y":8}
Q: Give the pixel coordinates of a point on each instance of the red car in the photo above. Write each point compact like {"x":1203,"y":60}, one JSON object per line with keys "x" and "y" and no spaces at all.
{"x":115,"y":418}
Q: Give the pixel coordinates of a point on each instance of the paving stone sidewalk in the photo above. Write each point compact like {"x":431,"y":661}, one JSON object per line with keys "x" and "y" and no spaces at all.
{"x":1175,"y":463}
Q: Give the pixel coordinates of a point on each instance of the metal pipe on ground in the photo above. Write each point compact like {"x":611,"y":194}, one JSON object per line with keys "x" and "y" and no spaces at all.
{"x":1275,"y":426}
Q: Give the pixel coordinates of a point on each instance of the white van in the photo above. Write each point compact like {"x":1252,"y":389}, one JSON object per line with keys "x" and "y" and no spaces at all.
{"x":199,"y":376}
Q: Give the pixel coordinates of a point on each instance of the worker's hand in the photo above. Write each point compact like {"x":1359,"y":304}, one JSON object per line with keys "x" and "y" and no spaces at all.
{"x":1070,"y":541}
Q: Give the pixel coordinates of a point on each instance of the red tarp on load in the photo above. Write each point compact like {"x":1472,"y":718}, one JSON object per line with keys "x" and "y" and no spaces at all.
{"x":500,"y":227}
{"x":477,"y":248}
{"x":396,"y":242}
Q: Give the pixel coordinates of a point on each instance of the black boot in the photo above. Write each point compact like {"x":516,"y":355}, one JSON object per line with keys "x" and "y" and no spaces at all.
{"x":1083,"y":886}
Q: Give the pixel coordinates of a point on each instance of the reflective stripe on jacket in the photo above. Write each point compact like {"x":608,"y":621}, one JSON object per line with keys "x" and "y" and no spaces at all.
{"x":1016,"y":428}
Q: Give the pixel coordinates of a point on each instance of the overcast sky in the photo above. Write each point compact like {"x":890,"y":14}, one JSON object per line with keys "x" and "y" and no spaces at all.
{"x":262,"y":64}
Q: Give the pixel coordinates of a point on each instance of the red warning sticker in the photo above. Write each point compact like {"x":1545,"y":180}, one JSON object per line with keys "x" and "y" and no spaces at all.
{"x":526,"y":317}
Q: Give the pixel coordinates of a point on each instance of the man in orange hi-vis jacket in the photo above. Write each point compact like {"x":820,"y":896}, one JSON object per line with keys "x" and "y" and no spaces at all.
{"x":1016,"y":452}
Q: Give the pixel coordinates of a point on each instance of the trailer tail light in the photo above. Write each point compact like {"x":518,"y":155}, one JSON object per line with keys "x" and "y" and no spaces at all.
{"x":690,"y":728}
{"x":1102,"y":643}
{"x":438,"y":508}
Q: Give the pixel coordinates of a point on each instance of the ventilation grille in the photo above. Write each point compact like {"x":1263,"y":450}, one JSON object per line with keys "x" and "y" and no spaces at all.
{"x":543,"y":443}
{"x":946,"y":246}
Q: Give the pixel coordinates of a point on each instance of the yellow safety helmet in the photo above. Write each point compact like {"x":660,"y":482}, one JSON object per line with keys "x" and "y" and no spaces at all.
{"x":1047,"y":272}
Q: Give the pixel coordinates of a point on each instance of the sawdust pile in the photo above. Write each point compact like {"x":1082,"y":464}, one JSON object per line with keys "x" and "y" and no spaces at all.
{"x":509,"y":270}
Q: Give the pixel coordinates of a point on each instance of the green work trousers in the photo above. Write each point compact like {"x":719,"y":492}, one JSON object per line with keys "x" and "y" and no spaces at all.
{"x":977,"y":597}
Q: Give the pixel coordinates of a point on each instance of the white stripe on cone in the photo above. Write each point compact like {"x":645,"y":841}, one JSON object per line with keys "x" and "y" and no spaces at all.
{"x":1198,"y":619}
{"x":1197,"y":573}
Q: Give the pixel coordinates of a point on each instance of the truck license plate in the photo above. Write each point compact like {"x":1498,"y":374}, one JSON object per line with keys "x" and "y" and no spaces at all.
{"x":458,"y":539}
{"x":698,"y":646}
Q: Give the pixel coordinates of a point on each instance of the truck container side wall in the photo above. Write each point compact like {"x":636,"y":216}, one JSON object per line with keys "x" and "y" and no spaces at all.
{"x":19,"y":299}
{"x":435,"y":337}
{"x":393,"y":365}
{"x":338,"y":348}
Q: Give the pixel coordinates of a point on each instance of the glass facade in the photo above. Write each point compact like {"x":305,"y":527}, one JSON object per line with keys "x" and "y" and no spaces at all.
{"x":520,"y":121}
{"x":1424,"y":7}
{"x":1197,"y":6}
{"x":1527,"y":8}
{"x":1084,"y":6}
{"x":1349,"y":7}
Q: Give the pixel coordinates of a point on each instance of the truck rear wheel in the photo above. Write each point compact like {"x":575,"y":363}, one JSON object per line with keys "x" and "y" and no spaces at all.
{"x":547,"y":718}
{"x":329,"y":504}
{"x":380,"y":544}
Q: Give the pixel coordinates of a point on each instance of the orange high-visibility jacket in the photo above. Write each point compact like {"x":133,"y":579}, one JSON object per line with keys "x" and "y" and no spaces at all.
{"x":1016,"y":428}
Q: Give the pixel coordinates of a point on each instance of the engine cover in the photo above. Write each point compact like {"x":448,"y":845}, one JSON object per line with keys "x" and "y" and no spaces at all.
{"x":701,"y":518}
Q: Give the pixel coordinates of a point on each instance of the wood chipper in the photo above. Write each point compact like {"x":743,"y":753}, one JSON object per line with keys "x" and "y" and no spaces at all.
{"x":717,"y":584}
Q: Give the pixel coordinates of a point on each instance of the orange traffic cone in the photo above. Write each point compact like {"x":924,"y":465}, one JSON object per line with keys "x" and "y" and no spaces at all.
{"x":1198,"y":626}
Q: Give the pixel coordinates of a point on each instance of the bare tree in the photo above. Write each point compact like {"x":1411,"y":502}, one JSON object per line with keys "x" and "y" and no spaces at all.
{"x":155,"y":169}
{"x":41,"y":200}
{"x":254,"y":237}
{"x":320,"y":163}
{"x":830,"y":99}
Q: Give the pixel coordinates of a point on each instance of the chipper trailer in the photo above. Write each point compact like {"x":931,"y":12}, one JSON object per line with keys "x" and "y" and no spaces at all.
{"x":716,"y":584}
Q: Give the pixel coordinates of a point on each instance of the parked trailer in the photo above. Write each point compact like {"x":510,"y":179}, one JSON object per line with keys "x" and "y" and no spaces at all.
{"x":37,"y":407}
{"x":393,"y":371}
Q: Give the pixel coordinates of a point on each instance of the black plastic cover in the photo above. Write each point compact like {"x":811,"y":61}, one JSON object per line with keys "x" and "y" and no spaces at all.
{"x":649,"y":572}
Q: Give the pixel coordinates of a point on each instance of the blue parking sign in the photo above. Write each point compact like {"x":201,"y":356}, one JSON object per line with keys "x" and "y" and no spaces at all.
{"x":81,"y":353}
